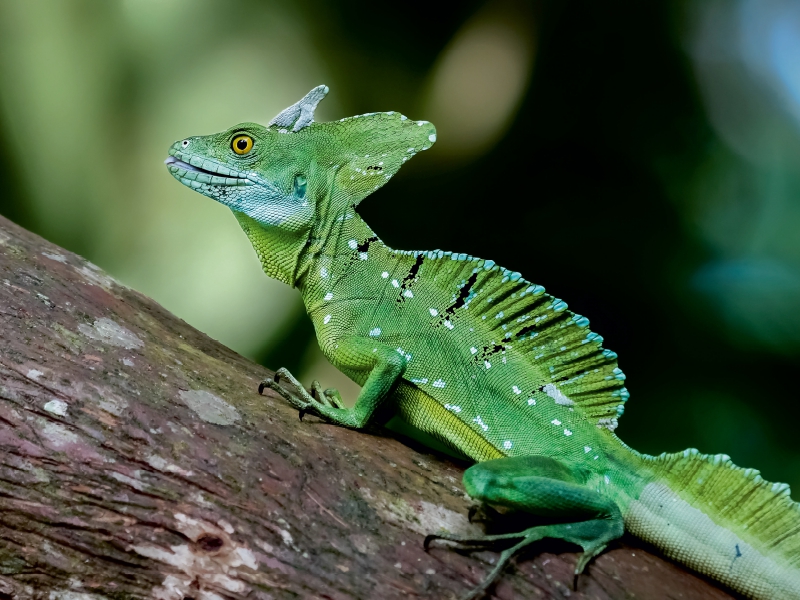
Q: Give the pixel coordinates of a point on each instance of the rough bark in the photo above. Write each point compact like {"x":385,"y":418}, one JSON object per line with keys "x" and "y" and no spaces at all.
{"x":138,"y":461}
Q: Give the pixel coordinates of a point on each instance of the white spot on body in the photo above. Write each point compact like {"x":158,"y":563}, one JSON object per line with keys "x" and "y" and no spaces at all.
{"x":453,"y":407}
{"x":408,"y":294}
{"x":448,"y":324}
{"x":556,"y":422}
{"x":587,"y":449}
{"x":439,"y":383}
{"x":326,"y":320}
{"x":433,"y":312}
{"x":487,"y":364}
{"x":567,"y":432}
{"x":209,"y":408}
{"x":323,"y":272}
{"x":375,"y":332}
{"x":531,"y":402}
{"x":507,"y":444}
{"x":609,"y":423}
{"x":473,"y":350}
{"x":353,"y":244}
{"x":480,"y":422}
{"x":34,"y":374}
{"x":557,"y":395}
{"x":395,"y":283}
{"x":385,"y":274}
{"x":328,"y":296}
{"x":363,"y":256}
{"x":516,"y":389}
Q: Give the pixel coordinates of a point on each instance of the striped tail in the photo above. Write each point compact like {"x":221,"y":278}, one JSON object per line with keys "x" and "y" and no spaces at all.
{"x":723,"y":521}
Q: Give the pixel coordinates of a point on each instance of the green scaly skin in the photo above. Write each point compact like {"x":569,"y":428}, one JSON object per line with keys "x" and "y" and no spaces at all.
{"x":477,"y":357}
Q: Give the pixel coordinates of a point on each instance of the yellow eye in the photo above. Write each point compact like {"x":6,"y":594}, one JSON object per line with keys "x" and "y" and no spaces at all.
{"x":242,"y":144}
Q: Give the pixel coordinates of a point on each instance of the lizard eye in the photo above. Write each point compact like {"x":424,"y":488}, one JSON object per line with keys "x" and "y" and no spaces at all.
{"x":242,"y":144}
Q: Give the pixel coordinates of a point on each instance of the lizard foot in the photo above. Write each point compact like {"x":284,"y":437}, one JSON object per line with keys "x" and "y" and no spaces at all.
{"x":307,"y":402}
{"x":329,"y":397}
{"x":592,"y":536}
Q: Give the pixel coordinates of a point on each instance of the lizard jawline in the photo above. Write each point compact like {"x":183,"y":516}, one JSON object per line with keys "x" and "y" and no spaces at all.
{"x":171,"y":161}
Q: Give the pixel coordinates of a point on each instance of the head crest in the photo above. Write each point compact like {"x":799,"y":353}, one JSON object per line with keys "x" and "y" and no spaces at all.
{"x":301,"y":113}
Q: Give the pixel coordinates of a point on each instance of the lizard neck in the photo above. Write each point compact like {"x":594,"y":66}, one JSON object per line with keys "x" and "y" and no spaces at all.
{"x":278,"y":249}
{"x":334,"y":240}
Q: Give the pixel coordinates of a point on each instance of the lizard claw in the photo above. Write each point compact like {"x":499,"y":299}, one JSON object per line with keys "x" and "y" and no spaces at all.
{"x":473,"y":510}
{"x":316,"y":401}
{"x":290,"y":389}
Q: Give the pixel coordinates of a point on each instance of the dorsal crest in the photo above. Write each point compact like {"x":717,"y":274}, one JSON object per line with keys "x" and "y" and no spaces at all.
{"x":517,"y":314}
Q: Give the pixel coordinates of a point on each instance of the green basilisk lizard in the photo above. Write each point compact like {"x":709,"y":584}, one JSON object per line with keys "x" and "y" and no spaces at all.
{"x":478,"y":357}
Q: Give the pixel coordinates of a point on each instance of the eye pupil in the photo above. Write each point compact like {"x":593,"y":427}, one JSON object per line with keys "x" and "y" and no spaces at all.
{"x":242,"y":144}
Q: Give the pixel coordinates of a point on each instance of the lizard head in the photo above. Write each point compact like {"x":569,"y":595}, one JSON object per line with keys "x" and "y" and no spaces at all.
{"x":285,"y":174}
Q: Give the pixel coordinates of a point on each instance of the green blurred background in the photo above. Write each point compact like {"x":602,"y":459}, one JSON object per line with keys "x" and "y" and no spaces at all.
{"x":639,"y":159}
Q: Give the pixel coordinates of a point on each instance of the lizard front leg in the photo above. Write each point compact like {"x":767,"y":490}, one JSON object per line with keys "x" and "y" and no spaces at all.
{"x":385,"y":366}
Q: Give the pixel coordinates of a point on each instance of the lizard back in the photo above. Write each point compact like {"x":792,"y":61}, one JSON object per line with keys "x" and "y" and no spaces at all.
{"x":476,"y":336}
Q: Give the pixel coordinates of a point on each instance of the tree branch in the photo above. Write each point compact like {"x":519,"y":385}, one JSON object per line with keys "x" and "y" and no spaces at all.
{"x":138,"y":461}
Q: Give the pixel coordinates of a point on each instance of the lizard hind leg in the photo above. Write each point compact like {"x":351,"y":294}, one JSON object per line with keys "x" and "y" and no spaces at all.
{"x":546,"y":488}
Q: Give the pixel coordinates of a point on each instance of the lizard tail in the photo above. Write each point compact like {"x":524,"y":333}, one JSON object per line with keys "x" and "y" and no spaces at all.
{"x":721,"y":520}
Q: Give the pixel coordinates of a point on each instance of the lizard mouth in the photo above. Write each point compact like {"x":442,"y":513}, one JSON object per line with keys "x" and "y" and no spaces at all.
{"x":219,"y":176}
{"x":176,"y":162}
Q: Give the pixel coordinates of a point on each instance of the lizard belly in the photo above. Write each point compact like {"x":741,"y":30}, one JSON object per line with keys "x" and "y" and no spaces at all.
{"x":426,"y":414}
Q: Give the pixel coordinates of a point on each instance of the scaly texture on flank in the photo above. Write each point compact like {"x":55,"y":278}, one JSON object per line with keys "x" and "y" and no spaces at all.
{"x":515,"y":314}
{"x":722,"y":520}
